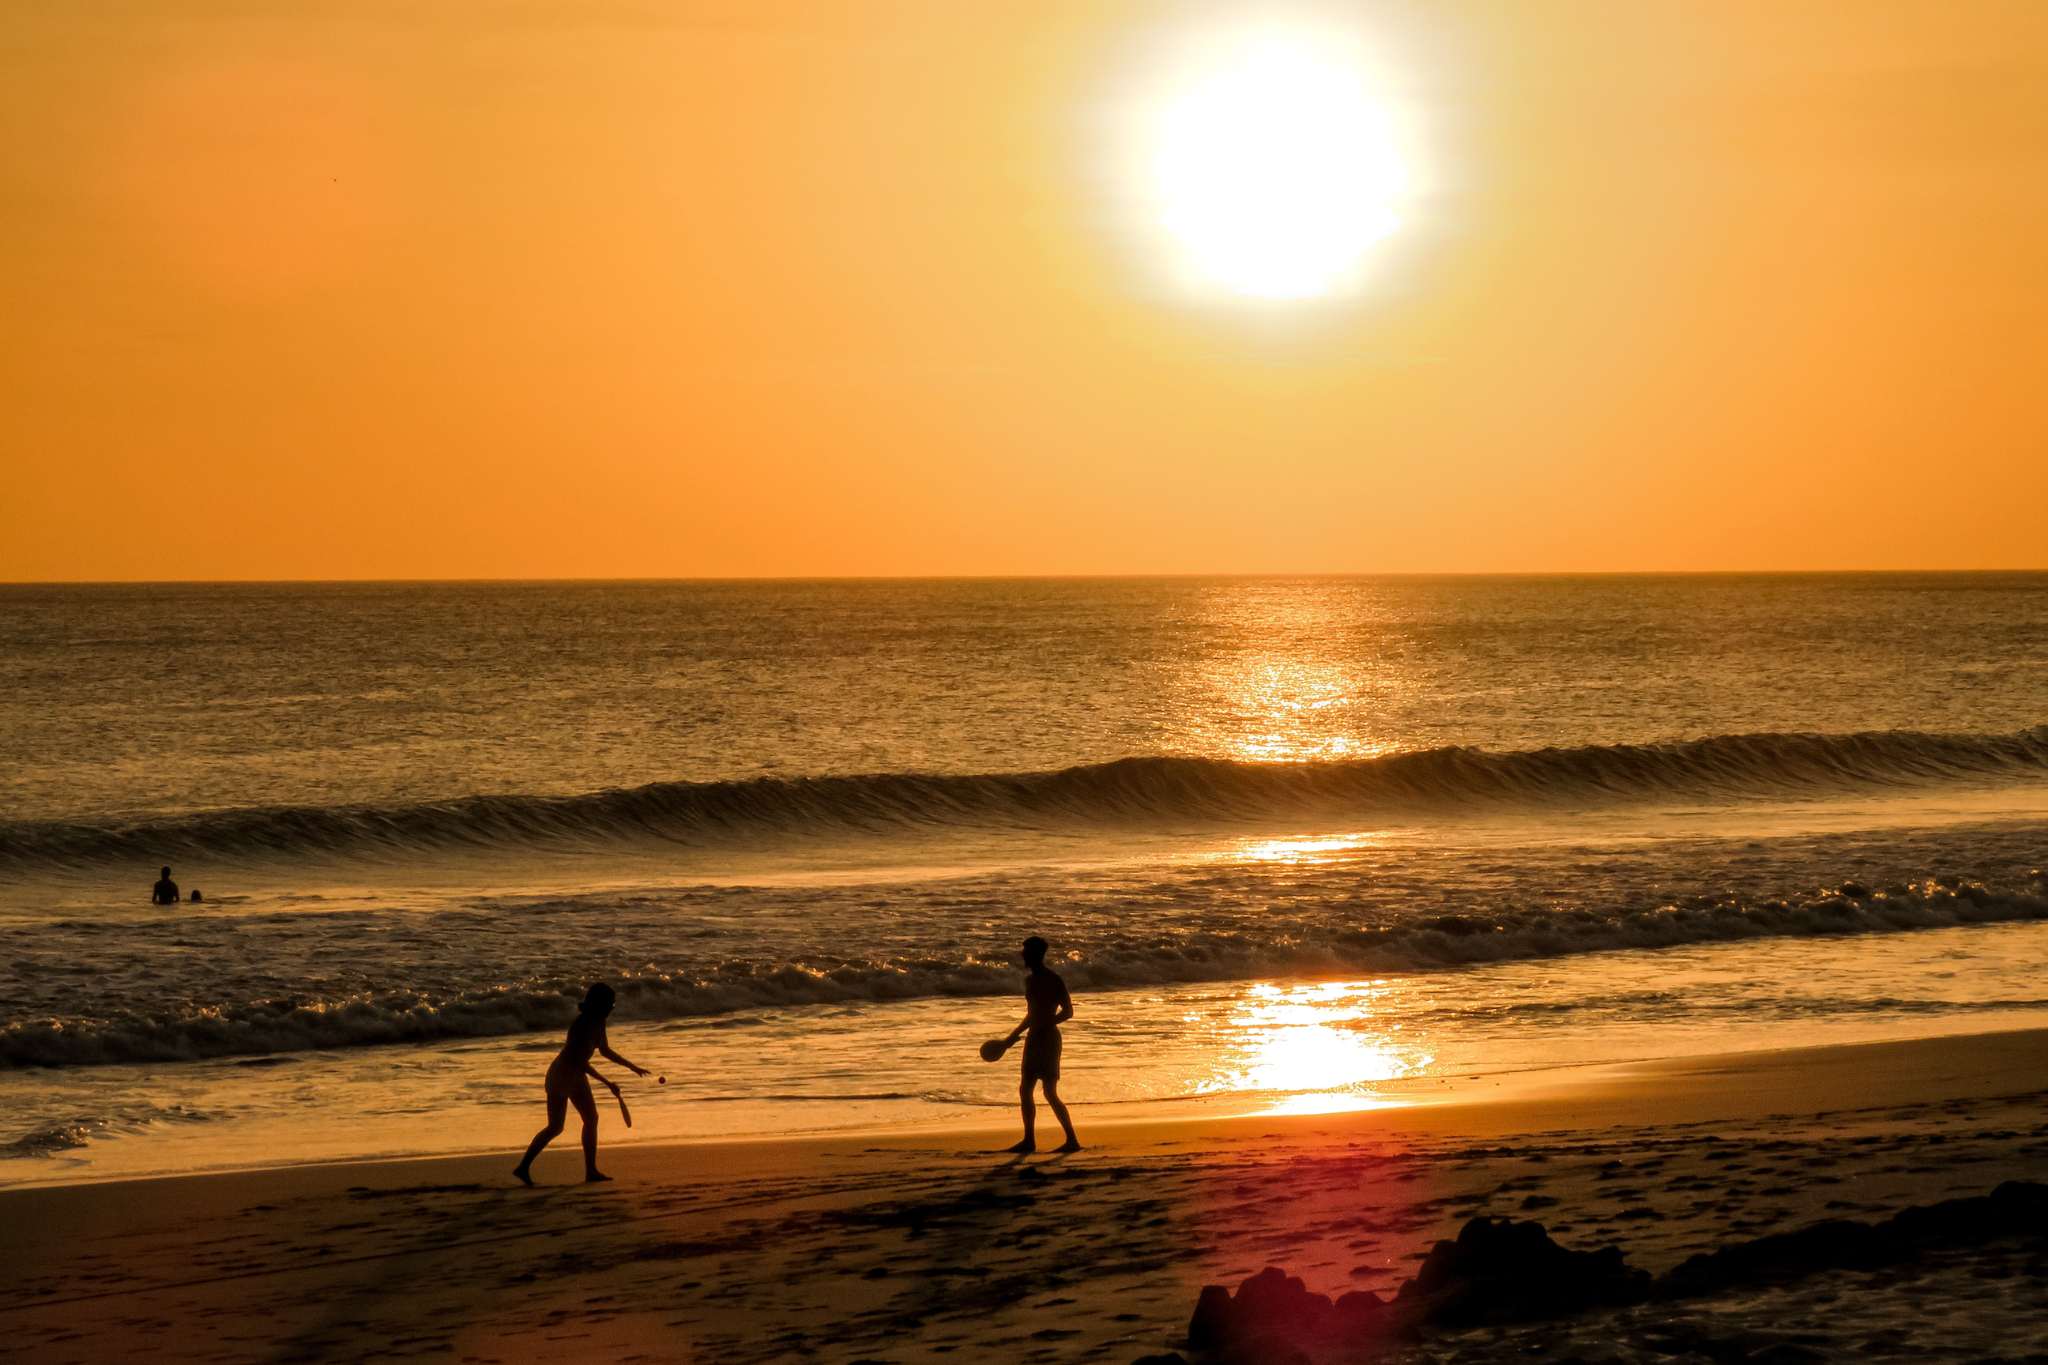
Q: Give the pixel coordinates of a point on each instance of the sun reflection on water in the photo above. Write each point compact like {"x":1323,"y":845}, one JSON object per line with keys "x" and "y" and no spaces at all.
{"x":1328,"y":848}
{"x":1290,"y":710}
{"x":1316,"y":1048}
{"x":1287,"y":677}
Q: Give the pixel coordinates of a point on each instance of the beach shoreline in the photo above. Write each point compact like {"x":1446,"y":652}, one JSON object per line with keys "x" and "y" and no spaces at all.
{"x":888,"y":1246}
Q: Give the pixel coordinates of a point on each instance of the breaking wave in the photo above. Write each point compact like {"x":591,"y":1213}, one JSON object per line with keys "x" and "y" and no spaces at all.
{"x":421,"y":1013}
{"x":1130,"y":791}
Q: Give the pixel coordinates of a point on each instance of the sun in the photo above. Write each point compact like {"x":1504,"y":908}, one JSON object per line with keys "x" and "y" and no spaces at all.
{"x":1269,"y":161}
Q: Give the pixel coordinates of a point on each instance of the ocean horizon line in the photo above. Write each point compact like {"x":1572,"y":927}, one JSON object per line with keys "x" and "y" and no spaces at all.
{"x":1221,"y":576}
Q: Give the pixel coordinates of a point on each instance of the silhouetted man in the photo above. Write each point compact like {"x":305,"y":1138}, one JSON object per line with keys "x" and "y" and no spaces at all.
{"x":166,"y":891}
{"x":1046,"y":1006}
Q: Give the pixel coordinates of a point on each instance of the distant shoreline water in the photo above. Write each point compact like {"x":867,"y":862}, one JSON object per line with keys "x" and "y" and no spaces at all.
{"x":124,"y":704}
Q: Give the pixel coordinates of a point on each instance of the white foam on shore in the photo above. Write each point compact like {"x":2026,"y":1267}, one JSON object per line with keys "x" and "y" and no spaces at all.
{"x":1192,"y":1050}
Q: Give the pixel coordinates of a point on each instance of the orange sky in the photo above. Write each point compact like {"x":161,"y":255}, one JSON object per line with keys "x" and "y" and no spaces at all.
{"x":360,"y":288}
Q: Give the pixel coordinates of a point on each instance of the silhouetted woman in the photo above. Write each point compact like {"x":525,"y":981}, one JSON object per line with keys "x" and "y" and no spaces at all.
{"x":569,"y":1081}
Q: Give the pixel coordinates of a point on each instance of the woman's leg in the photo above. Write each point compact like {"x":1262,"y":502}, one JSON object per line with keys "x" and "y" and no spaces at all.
{"x":587,"y":1108}
{"x":558,"y":1105}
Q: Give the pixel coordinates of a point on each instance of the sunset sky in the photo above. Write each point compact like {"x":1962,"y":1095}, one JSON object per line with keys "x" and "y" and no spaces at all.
{"x":358,"y":288}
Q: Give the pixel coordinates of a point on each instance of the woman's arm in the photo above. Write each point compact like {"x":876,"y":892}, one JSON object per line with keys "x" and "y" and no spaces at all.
{"x":636,"y":1070}
{"x":601,"y":1077}
{"x":604,"y":1045}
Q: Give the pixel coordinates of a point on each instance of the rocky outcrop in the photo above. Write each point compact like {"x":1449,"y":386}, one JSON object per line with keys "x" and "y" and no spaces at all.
{"x":1499,"y":1270}
{"x":1496,"y":1271}
{"x":2016,"y":1207}
{"x":1502,"y":1271}
{"x":1273,"y":1316}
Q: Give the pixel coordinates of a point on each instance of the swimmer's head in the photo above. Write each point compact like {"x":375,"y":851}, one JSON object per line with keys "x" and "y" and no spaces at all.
{"x":1034,"y":951}
{"x":598,"y":1000}
{"x":167,"y":872}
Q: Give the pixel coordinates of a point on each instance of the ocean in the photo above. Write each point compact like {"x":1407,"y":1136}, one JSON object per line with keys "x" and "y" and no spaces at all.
{"x":1299,"y":843}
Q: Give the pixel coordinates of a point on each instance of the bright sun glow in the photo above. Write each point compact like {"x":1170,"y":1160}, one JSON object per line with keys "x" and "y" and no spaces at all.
{"x":1271,"y":162}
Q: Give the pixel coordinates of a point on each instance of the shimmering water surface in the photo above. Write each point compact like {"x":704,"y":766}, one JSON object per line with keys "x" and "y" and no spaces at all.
{"x":1300,"y":843}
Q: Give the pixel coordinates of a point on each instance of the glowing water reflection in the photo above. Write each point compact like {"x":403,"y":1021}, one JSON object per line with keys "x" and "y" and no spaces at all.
{"x":1316,"y":1047}
{"x":1289,"y":710}
{"x":1324,"y":849}
{"x":1288,"y":677}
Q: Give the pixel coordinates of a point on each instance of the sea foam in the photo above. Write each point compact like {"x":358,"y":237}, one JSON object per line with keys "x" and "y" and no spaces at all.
{"x":424,"y":1011}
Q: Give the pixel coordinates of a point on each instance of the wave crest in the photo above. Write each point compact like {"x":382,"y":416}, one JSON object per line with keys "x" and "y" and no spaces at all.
{"x":1130,"y":791}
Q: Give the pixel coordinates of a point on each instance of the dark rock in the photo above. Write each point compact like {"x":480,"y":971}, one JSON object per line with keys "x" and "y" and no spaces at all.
{"x":1360,"y":1311}
{"x":2014,"y":1208}
{"x":1273,"y":1314}
{"x":1211,"y":1324}
{"x":1836,"y":1244}
{"x":1787,"y":1353}
{"x":1499,"y":1270}
{"x":1266,"y":1348}
{"x":1274,"y":1296}
{"x":1271,"y":1302}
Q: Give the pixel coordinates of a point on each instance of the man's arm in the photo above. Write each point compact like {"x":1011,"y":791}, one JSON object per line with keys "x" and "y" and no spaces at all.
{"x":1066,"y":1009}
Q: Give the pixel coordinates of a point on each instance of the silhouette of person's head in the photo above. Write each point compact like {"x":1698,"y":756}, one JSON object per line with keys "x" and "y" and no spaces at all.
{"x":196,"y":896}
{"x":598,"y":1000}
{"x":167,"y":874}
{"x":1034,"y":951}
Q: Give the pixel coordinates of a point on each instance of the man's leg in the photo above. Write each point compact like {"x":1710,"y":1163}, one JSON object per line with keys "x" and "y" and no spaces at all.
{"x":1059,"y":1111}
{"x":1030,"y":1142}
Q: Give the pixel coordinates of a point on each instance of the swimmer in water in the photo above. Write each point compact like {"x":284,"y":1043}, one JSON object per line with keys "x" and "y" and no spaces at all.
{"x":569,"y":1082}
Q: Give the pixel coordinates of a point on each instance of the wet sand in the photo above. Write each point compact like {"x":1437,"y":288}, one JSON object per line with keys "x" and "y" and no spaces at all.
{"x":935,"y":1247}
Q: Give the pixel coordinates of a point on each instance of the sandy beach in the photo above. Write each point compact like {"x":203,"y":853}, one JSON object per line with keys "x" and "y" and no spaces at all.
{"x":937,"y":1248}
